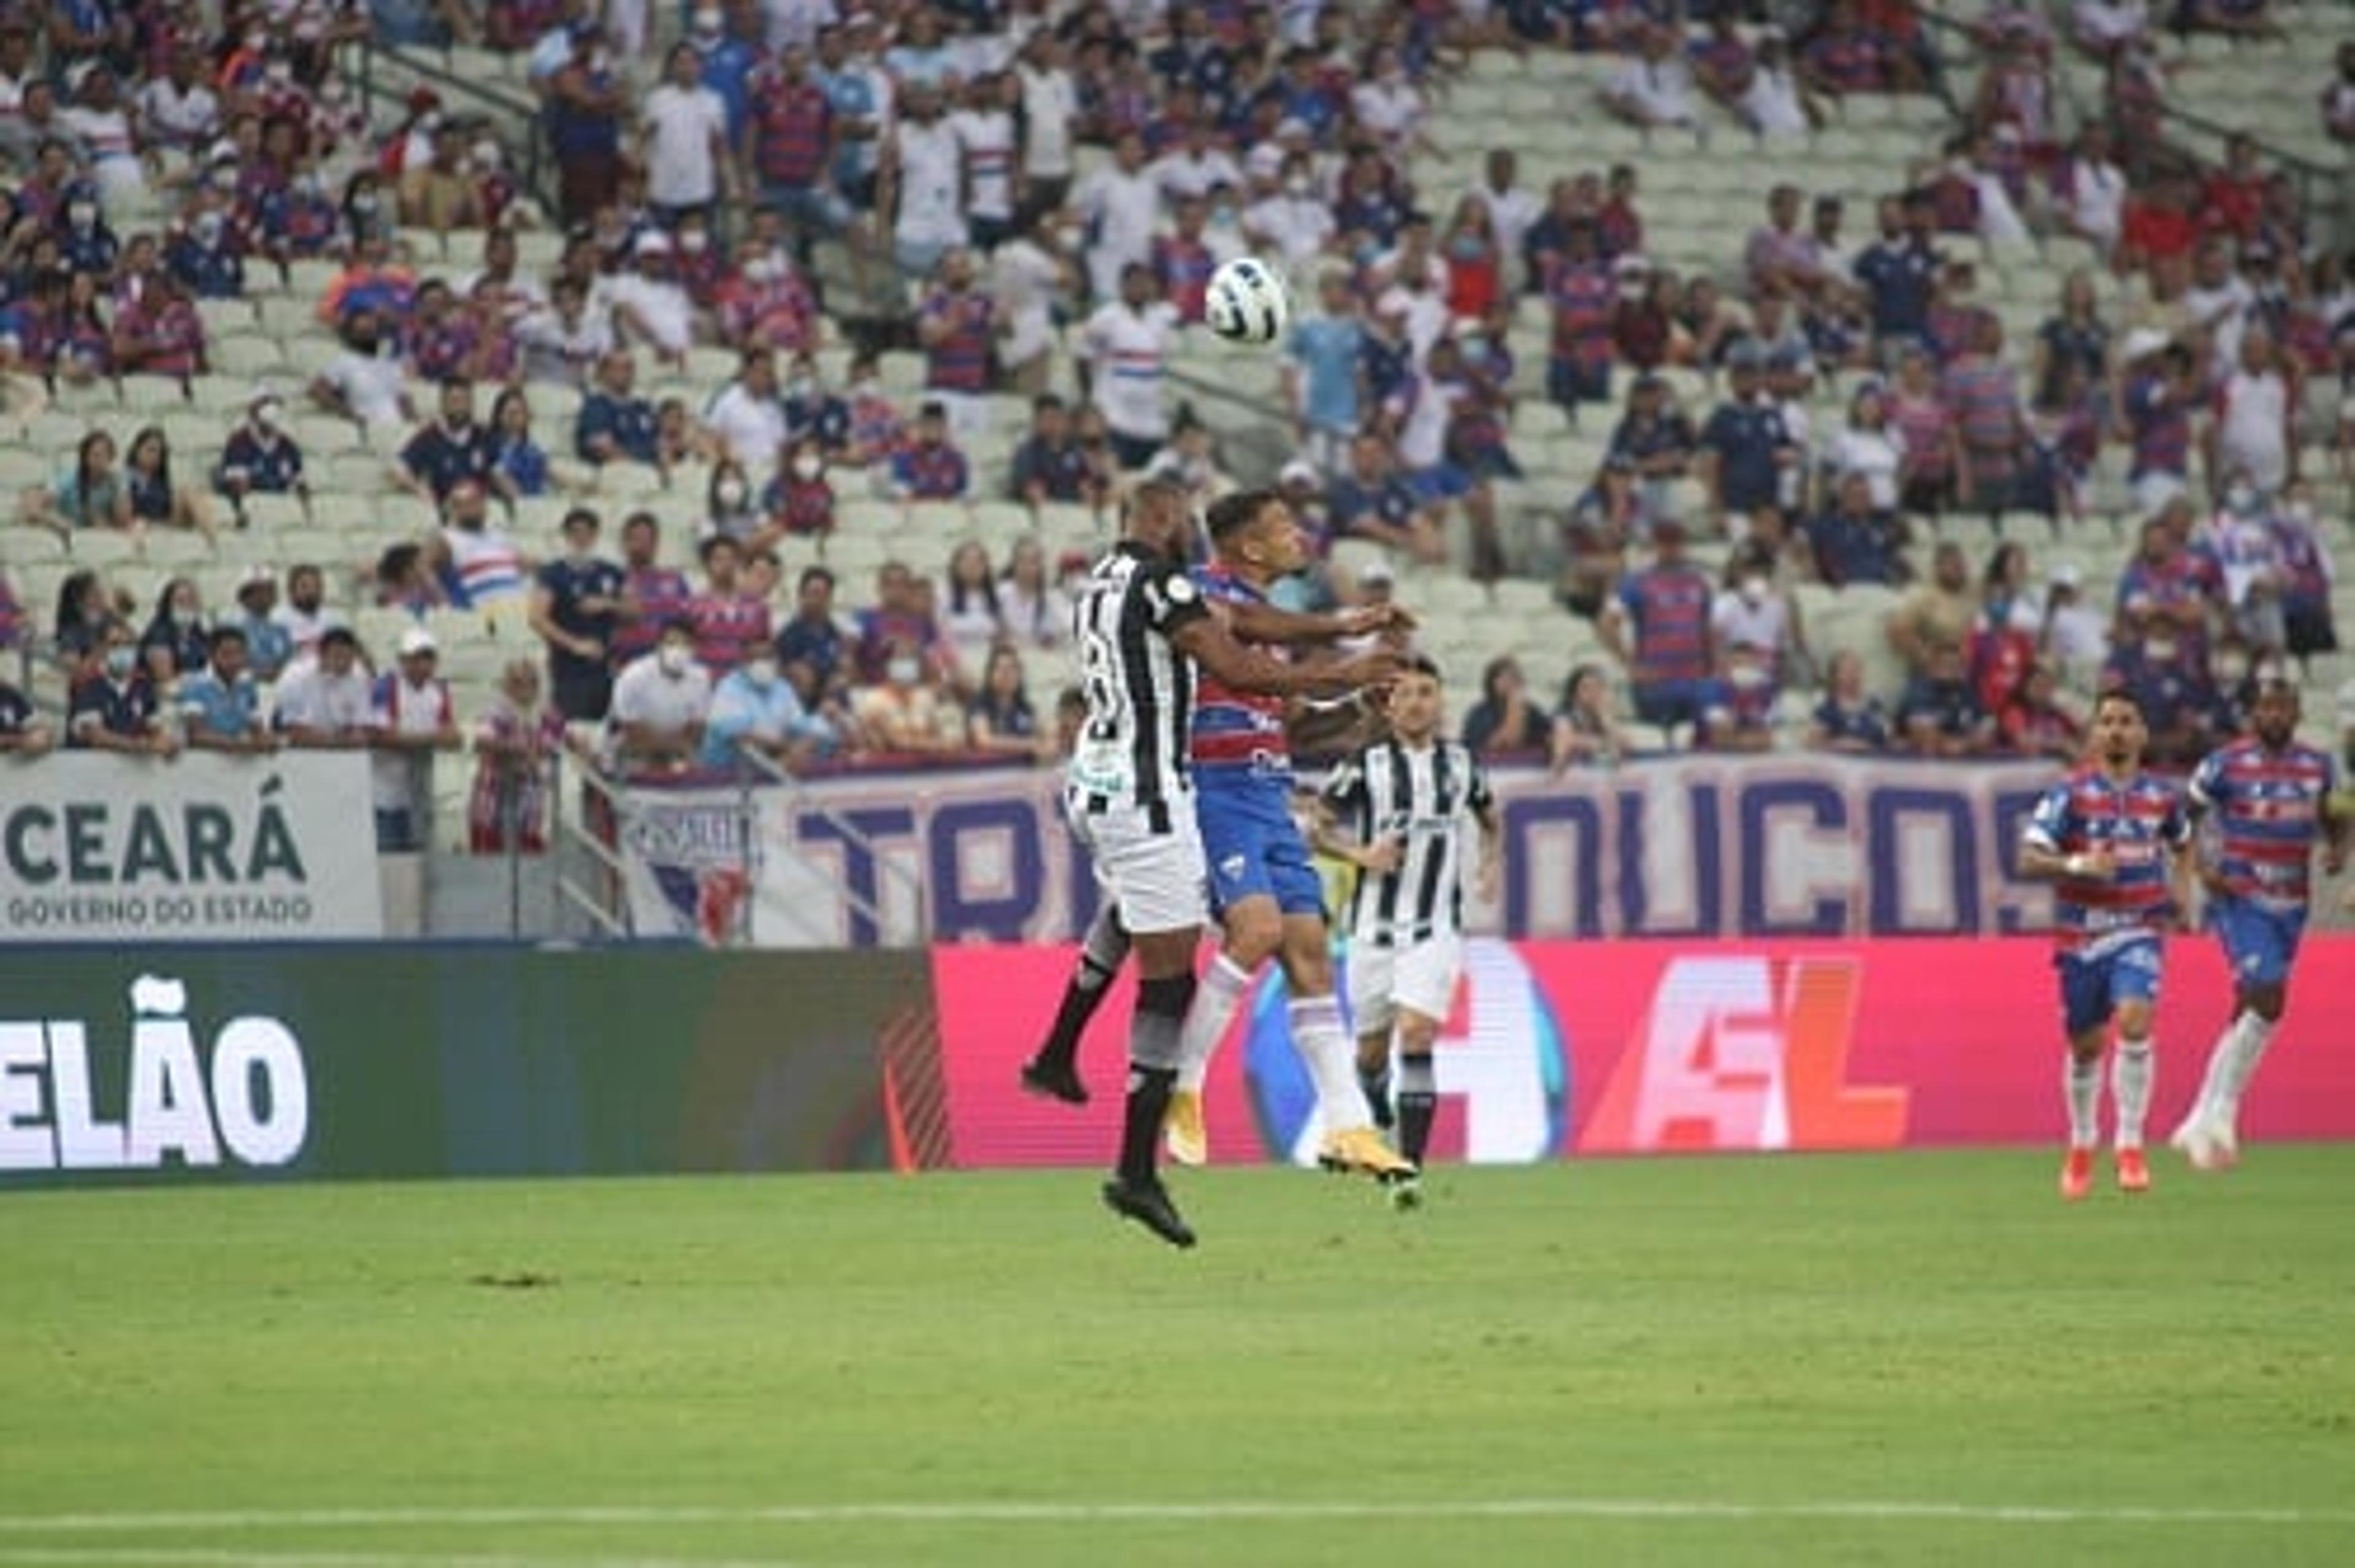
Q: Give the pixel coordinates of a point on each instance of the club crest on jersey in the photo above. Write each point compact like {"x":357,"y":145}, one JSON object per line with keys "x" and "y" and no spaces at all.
{"x":1232,"y":867}
{"x":1182,"y":590}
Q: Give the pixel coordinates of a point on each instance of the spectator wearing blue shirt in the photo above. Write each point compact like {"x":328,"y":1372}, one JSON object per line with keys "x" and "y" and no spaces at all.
{"x":1849,"y":718}
{"x":1048,"y":466}
{"x":21,"y":732}
{"x":204,"y":256}
{"x":1900,"y":272}
{"x":115,"y":709}
{"x":811,"y":410}
{"x":578,"y":601}
{"x":1852,"y":543}
{"x":260,"y":458}
{"x":728,"y":63}
{"x":220,"y":706}
{"x":1372,"y":501}
{"x":449,"y":452}
{"x":1745,"y":446}
{"x":87,"y":244}
{"x":175,"y":642}
{"x":811,"y":644}
{"x":518,"y":463}
{"x":1940,"y":714}
{"x":269,"y":645}
{"x":1323,"y":376}
{"x":930,"y":469}
{"x":616,"y":425}
{"x":756,"y":709}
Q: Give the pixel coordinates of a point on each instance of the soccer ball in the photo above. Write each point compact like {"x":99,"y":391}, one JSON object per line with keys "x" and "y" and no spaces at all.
{"x":1246,"y":302}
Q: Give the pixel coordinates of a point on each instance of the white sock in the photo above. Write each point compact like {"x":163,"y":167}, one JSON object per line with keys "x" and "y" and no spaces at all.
{"x":2081,"y":1078}
{"x":1215,"y":999}
{"x":2212,"y":1093}
{"x":2131,"y":1070}
{"x":2246,"y":1049}
{"x":1324,"y":1050}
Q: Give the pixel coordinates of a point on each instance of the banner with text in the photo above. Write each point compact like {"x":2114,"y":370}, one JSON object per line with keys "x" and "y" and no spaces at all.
{"x":1690,"y":847}
{"x":237,"y":1061}
{"x":204,"y":848}
{"x":1556,"y":1048}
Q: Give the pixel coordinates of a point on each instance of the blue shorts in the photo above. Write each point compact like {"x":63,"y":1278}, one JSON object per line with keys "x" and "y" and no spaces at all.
{"x":1571,"y":382}
{"x":1254,"y":847}
{"x":1440,"y":481}
{"x":2092,"y":985}
{"x":2259,"y":943}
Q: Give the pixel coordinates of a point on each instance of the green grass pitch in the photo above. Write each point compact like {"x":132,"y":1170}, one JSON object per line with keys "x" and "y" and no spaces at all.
{"x":1912,"y":1359}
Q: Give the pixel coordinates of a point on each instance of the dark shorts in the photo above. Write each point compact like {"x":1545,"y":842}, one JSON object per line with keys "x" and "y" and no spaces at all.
{"x":2092,"y":985}
{"x":1253,"y":846}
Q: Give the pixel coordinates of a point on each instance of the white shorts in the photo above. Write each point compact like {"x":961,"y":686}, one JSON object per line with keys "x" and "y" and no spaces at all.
{"x":1418,"y":978}
{"x":1158,"y":880}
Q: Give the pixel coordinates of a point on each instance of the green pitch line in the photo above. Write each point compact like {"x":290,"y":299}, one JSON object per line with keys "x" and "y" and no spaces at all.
{"x":1919,"y":1358}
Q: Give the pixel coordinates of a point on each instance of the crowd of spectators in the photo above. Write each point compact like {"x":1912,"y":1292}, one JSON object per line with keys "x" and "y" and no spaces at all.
{"x":161,"y":163}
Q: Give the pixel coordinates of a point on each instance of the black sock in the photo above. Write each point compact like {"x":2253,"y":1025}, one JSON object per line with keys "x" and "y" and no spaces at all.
{"x":1417,"y":1102}
{"x":1140,"y":1130}
{"x":1375,"y":1082}
{"x":1083,"y":995}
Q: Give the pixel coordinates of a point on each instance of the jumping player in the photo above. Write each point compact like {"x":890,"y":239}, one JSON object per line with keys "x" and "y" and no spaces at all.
{"x":2271,"y":799}
{"x":2109,"y":835}
{"x":1407,"y":799}
{"x":1141,"y":627}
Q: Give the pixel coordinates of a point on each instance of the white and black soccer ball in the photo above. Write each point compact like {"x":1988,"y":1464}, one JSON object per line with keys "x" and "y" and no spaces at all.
{"x":1247,"y":302}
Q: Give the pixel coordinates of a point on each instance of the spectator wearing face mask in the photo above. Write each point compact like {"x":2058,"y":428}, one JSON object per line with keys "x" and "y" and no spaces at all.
{"x":907,"y":712}
{"x":1741,"y":715}
{"x":116,"y":708}
{"x":661,"y":702}
{"x":1750,"y":611}
{"x":755,"y":708}
{"x":364,"y":382}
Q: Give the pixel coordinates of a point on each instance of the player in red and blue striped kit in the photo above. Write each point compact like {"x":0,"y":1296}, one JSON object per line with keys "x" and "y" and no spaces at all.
{"x":2115,"y":840}
{"x":2269,"y":799}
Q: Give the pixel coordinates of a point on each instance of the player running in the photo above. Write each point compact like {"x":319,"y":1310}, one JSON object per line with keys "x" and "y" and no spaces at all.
{"x":1141,"y":625}
{"x":2108,"y":836}
{"x":2271,"y":799}
{"x":1407,"y":799}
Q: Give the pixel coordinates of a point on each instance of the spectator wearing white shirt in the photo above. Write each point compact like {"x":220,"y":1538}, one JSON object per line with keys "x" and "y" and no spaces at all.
{"x":922,"y":183}
{"x":2339,"y":98}
{"x":409,"y":717}
{"x":324,"y":701}
{"x":177,"y":110}
{"x":1387,"y":105}
{"x":564,"y":342}
{"x":661,"y":701}
{"x":1196,"y":166}
{"x":645,"y":296}
{"x":2251,"y":434}
{"x":746,"y":417}
{"x":2219,"y":300}
{"x":795,"y":24}
{"x":1126,"y":351}
{"x":1654,"y":86}
{"x":2073,"y":634}
{"x":1866,"y":447}
{"x":1121,"y":206}
{"x":1512,"y":210}
{"x":1292,"y":223}
{"x":2103,"y":28}
{"x":683,"y":142}
{"x":1050,"y":103}
{"x":364,"y":382}
{"x":1031,"y":277}
{"x":2089,"y":189}
{"x":992,"y":167}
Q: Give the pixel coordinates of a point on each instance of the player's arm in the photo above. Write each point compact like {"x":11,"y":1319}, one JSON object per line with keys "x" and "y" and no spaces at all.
{"x":1326,"y":838}
{"x":1260,"y":623}
{"x":1206,"y":641}
{"x":2041,"y":857}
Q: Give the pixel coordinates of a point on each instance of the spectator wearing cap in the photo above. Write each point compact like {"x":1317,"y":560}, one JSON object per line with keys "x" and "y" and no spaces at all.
{"x":1745,"y":447}
{"x":1373,"y":502}
{"x":1584,"y":300}
{"x":583,"y":102}
{"x":480,"y":567}
{"x":116,"y":707}
{"x":268,"y":647}
{"x":1659,"y":627}
{"x":661,"y":701}
{"x":930,"y":468}
{"x":220,"y":706}
{"x":1125,"y":350}
{"x":578,"y":600}
{"x":615,"y":424}
{"x":1653,"y":85}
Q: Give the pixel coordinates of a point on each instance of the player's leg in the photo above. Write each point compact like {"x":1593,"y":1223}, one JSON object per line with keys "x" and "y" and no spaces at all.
{"x":1349,"y":1141}
{"x":2085,"y":1019}
{"x":1427,"y":977}
{"x":2259,"y":946}
{"x":2134,"y":995}
{"x":1054,"y":1072}
{"x":1249,"y":931}
{"x":1368,"y":985}
{"x":1158,"y":878}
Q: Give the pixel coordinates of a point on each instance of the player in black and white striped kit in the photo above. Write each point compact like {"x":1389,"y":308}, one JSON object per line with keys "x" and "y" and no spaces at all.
{"x":1406,"y":802}
{"x":1140,"y":626}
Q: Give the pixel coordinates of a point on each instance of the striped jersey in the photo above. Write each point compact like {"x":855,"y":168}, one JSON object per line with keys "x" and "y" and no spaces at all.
{"x":1422,"y":796}
{"x":2138,"y":821}
{"x":2268,"y":809}
{"x":1139,"y":687}
{"x":1236,"y":730}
